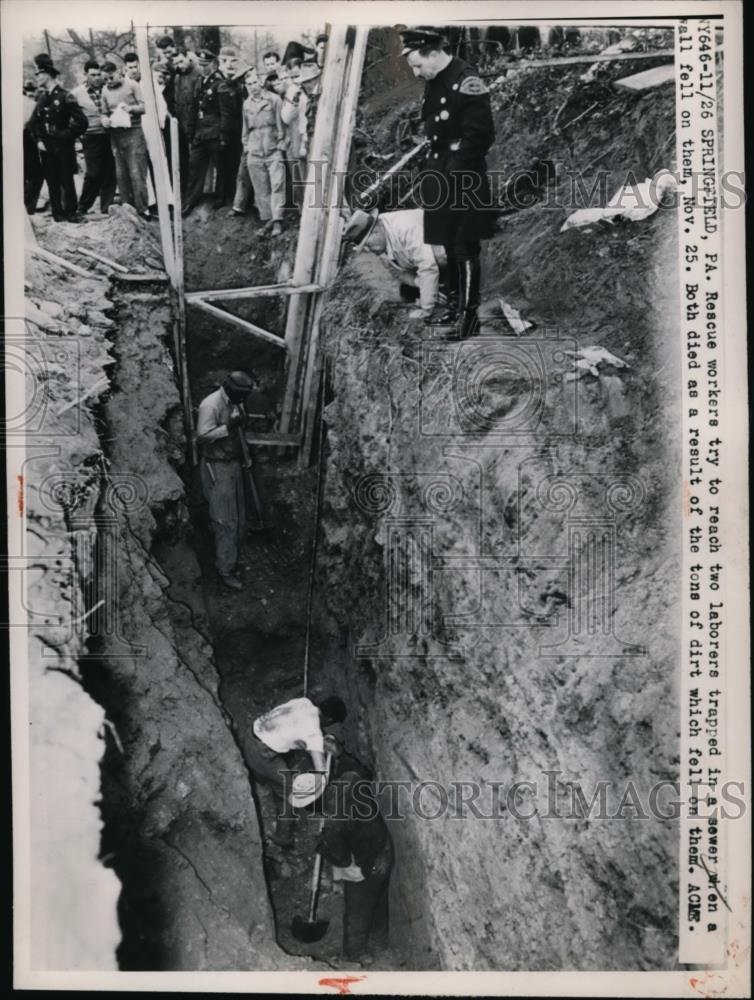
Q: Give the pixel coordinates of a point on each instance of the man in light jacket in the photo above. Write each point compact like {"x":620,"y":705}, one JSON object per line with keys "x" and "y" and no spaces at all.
{"x":263,"y":137}
{"x":98,"y":154}
{"x":398,"y":237}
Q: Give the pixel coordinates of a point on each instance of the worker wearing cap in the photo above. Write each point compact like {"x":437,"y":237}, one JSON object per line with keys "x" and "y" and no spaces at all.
{"x":205,"y":145}
{"x":398,"y":237}
{"x":56,"y":122}
{"x":356,"y":841}
{"x":455,"y":188}
{"x":220,"y":414}
{"x":295,"y":725}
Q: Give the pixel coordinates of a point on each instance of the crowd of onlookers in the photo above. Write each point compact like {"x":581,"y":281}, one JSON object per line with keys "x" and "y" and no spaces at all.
{"x":243,"y":131}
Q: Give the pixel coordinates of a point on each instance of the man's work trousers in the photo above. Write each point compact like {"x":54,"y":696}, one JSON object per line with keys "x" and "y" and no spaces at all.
{"x":33,"y":175}
{"x":59,"y":166}
{"x":271,"y":770}
{"x":223,"y":489}
{"x":131,"y":165}
{"x":243,"y":187}
{"x":298,"y":180}
{"x":227,"y":171}
{"x":100,"y":172}
{"x":365,"y":920}
{"x":267,"y":175}
{"x":204,"y":153}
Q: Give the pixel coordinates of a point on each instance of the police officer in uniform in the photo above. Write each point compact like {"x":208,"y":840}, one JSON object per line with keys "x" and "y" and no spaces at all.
{"x":56,"y":122}
{"x":205,"y":146}
{"x":455,"y":189}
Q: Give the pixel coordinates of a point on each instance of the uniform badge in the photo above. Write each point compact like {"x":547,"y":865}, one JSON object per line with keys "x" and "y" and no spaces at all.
{"x":473,"y":85}
{"x":445,"y":115}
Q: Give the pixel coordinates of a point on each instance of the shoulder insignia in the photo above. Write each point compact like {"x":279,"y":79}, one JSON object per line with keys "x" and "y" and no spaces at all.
{"x":473,"y":85}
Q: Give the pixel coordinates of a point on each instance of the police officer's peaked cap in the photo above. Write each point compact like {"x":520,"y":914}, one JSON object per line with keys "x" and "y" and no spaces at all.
{"x":44,"y":62}
{"x":230,"y":51}
{"x":206,"y":55}
{"x":418,"y":38}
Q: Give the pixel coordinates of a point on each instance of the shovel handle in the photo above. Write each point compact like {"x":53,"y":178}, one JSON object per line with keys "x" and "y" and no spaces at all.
{"x":315,"y":886}
{"x":317,"y":871}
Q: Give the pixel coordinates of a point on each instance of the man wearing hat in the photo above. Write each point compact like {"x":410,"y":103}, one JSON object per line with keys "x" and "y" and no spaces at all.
{"x":220,"y":415}
{"x":455,"y":188}
{"x":398,"y":238}
{"x":205,"y":146}
{"x":55,"y":124}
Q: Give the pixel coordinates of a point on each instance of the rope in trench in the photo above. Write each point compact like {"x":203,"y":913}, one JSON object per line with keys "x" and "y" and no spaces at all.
{"x":315,"y":539}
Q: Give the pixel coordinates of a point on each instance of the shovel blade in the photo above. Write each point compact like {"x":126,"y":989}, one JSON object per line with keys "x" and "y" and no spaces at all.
{"x":309,"y":930}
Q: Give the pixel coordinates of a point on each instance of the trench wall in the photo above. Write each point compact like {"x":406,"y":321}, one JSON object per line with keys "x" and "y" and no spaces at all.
{"x":464,"y":529}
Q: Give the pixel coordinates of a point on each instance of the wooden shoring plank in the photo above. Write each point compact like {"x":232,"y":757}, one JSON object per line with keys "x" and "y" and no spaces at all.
{"x":156,"y":150}
{"x":591,"y":58}
{"x":53,"y":258}
{"x":328,"y":264}
{"x":273,"y":439}
{"x":101,"y":259}
{"x":647,"y":78}
{"x":243,"y":323}
{"x":312,"y":215}
{"x":253,"y":292}
{"x":188,"y":413}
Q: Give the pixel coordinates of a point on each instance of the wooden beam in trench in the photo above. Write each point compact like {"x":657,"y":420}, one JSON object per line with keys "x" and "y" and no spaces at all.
{"x":244,"y":324}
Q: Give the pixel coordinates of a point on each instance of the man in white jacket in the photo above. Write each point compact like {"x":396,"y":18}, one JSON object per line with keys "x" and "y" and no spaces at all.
{"x":398,"y":237}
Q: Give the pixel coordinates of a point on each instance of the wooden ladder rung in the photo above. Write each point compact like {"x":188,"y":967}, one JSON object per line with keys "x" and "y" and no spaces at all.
{"x":274,"y":439}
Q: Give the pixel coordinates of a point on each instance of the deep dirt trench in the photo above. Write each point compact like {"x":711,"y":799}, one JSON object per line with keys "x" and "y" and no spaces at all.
{"x":190,"y":665}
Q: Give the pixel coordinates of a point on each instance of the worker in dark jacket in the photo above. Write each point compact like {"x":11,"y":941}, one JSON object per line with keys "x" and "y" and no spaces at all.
{"x":187,"y":83}
{"x":355,"y":840}
{"x":205,"y":145}
{"x":33,"y":175}
{"x":231,"y":102}
{"x":455,"y":188}
{"x":56,"y":122}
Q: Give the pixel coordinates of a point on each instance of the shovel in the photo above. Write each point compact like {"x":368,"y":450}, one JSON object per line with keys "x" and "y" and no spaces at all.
{"x":311,"y":929}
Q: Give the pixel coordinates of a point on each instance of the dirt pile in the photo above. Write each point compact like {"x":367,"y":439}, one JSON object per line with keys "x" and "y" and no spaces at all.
{"x":470,"y":490}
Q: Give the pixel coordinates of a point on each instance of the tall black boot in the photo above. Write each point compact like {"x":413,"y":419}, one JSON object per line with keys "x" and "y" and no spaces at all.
{"x":449,"y":315}
{"x":470,"y":273}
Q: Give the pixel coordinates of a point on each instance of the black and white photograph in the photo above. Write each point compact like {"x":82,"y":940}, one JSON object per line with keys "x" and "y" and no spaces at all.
{"x":376,"y":459}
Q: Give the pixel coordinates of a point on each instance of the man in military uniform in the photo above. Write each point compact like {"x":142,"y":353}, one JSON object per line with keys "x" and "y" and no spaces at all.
{"x":205,"y":146}
{"x":455,"y":188}
{"x":55,"y":124}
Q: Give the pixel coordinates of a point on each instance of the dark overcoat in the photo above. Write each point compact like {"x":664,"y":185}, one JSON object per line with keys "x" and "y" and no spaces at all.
{"x":455,"y":187}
